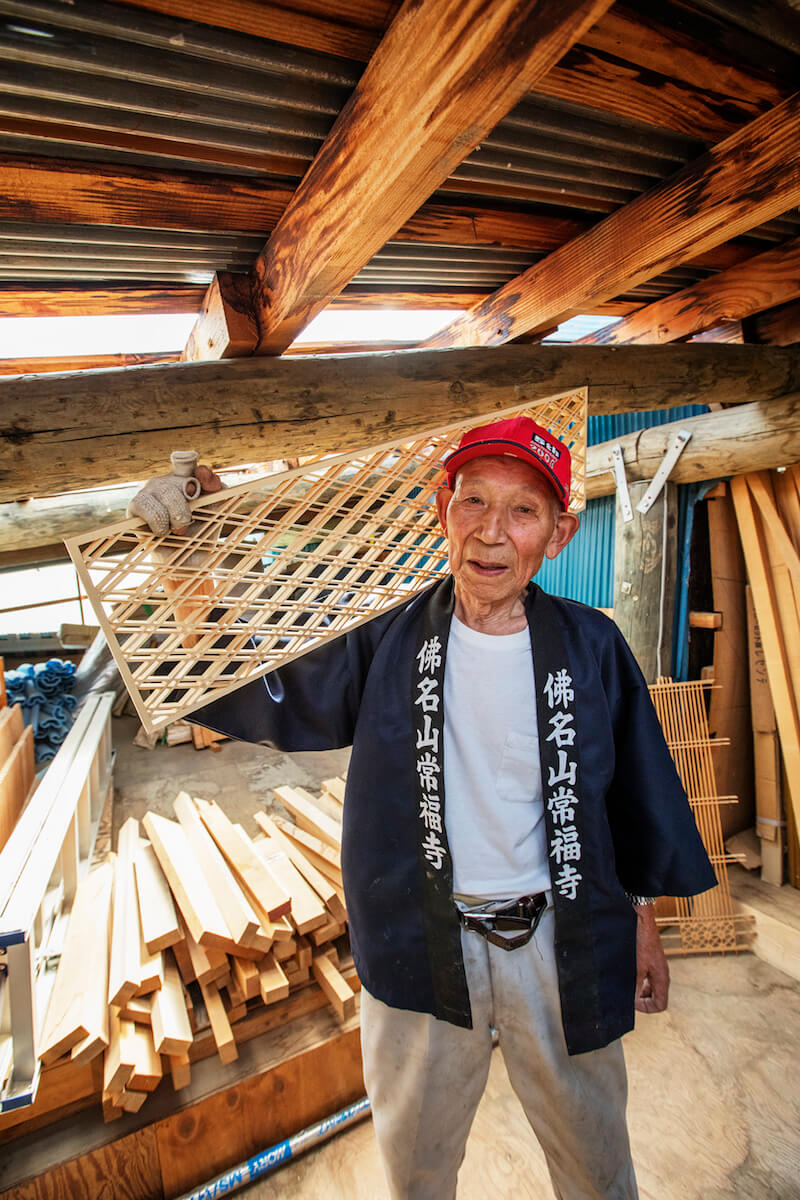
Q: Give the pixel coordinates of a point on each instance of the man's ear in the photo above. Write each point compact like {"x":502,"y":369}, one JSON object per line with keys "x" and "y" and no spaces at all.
{"x":567,"y":525}
{"x":443,"y":497}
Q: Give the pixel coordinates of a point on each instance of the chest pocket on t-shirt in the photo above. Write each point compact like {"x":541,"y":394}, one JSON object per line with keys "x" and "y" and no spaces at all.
{"x":518,"y":777}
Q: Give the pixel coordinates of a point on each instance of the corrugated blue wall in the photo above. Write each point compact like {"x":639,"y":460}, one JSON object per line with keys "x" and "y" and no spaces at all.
{"x":585,"y":570}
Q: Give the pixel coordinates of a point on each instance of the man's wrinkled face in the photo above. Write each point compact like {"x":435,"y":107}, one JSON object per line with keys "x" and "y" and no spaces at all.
{"x":501,"y":520}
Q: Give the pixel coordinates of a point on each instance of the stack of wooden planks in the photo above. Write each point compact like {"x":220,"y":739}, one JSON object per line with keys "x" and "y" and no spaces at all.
{"x":190,"y":927}
{"x":17,"y":772}
{"x":768,"y":513}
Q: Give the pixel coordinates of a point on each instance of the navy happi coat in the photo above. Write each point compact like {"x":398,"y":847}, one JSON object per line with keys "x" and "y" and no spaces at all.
{"x":617,"y":816}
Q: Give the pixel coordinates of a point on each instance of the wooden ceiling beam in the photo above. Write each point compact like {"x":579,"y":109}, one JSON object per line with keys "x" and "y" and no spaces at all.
{"x":764,"y":281}
{"x":751,"y":177}
{"x":778,"y":327}
{"x":62,"y":433}
{"x":444,"y":74}
{"x":58,"y":190}
{"x":82,"y":362}
{"x":27,"y":300}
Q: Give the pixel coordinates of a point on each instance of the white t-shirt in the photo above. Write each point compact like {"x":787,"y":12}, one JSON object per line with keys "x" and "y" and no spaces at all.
{"x":494,"y":813}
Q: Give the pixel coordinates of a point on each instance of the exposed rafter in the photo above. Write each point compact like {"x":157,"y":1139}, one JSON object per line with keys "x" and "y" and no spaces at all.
{"x":751,"y":177}
{"x":444,"y":74}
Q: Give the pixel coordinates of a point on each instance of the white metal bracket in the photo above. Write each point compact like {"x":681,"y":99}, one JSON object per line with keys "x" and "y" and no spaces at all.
{"x":661,"y":476}
{"x":618,"y":467}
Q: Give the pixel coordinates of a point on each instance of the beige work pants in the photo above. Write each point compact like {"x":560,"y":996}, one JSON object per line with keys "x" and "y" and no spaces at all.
{"x":426,"y":1077}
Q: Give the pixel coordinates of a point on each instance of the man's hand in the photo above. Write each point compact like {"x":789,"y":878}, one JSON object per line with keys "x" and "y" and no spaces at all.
{"x":652,"y":972}
{"x":163,"y":502}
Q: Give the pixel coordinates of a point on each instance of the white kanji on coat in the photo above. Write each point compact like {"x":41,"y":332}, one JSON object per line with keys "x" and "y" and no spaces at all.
{"x":435,"y":852}
{"x":428,"y":736}
{"x":565,"y":846}
{"x":563,"y":731}
{"x":429,"y":656}
{"x":558,"y":689}
{"x":567,"y":881}
{"x":565,"y":773}
{"x":428,"y":697}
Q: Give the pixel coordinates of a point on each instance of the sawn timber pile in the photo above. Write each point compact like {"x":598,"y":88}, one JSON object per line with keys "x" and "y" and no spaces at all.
{"x":180,"y":939}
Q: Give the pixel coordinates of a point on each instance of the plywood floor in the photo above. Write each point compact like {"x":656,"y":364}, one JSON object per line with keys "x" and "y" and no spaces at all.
{"x":714,"y":1107}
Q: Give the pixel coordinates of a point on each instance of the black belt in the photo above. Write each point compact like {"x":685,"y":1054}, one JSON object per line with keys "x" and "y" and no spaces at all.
{"x":491,"y":920}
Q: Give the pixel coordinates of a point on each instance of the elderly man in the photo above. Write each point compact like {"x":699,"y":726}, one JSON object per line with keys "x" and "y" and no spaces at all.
{"x":511,"y":808}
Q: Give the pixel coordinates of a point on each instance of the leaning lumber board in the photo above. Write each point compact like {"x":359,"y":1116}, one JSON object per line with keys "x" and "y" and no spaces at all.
{"x":209,"y":963}
{"x":308,"y":911}
{"x":306,"y":812}
{"x":319,"y":882}
{"x":220,"y":1025}
{"x":172,"y":1033}
{"x":125,"y":966}
{"x":139,"y":1009}
{"x":200,"y":910}
{"x":3,"y":696}
{"x":246,"y":975}
{"x":11,"y":727}
{"x":233,"y":904}
{"x":16,"y":778}
{"x":322,"y":862}
{"x":309,"y":841}
{"x":764,"y":602}
{"x":335,"y":986}
{"x":78,"y":1009}
{"x":151,"y":970}
{"x":157,"y":914}
{"x":245,"y":862}
{"x":180,"y":1070}
{"x":119,"y":1058}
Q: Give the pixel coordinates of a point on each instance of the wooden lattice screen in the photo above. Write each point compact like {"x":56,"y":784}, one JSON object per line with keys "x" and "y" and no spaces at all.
{"x":704,"y":924}
{"x":275,"y":567}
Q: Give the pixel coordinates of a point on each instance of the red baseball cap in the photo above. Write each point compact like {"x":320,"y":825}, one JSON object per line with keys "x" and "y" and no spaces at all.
{"x":522,"y":438}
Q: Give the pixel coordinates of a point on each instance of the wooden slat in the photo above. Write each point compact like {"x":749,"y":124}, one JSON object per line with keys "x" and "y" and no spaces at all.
{"x":172,"y":1033}
{"x":278,"y":409}
{"x":319,"y":882}
{"x":245,"y":863}
{"x":309,"y":816}
{"x":194,"y":898}
{"x":273,"y":984}
{"x":335,"y":986}
{"x":92,"y":362}
{"x":125,"y":965}
{"x":147,"y":1070}
{"x":16,"y":778}
{"x":220,"y":1025}
{"x":751,"y":177}
{"x":226,"y":325}
{"x":306,"y":834}
{"x":246,"y":975}
{"x":77,"y":1015}
{"x":307,"y":911}
{"x":180,"y":1070}
{"x":209,"y":963}
{"x":762,"y":282}
{"x":12,"y":724}
{"x":239,"y":916}
{"x":444,"y":74}
{"x":335,"y":789}
{"x":118,"y":1063}
{"x":157,"y":914}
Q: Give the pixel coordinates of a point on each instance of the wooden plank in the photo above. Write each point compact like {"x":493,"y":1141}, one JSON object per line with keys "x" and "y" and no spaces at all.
{"x":309,"y":816}
{"x":194,"y":898}
{"x":118,"y":1064}
{"x":220,"y":1025}
{"x":159,"y":921}
{"x":77,"y":1014}
{"x":444,"y":74}
{"x":246,"y":975}
{"x":273,"y":984}
{"x":335,"y":788}
{"x":246,"y":409}
{"x":747,"y":438}
{"x":209,"y":963}
{"x":307,"y":910}
{"x":760,"y":283}
{"x":766,"y":609}
{"x":16,"y":779}
{"x":93,"y":362}
{"x":338,"y":991}
{"x":138,"y":1009}
{"x":147,"y":1071}
{"x":125,"y":964}
{"x":172,"y":1034}
{"x":309,"y":841}
{"x":3,"y":695}
{"x":12,"y":724}
{"x":237,"y":911}
{"x":245,"y":862}
{"x":779,"y":327}
{"x":180,"y":1071}
{"x":749,"y":178}
{"x":227,"y":325}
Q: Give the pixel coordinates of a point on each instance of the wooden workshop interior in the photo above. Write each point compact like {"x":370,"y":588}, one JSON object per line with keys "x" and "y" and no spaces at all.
{"x":601,"y":200}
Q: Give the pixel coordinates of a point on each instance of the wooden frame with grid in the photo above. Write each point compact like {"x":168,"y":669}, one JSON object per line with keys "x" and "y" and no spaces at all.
{"x":704,"y":924}
{"x":272,"y":568}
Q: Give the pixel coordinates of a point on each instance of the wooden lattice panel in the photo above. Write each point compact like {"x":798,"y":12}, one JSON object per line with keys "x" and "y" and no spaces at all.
{"x":273,"y":568}
{"x":704,"y":924}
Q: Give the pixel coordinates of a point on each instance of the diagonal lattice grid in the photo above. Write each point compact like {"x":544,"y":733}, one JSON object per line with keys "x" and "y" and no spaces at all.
{"x":273,"y":568}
